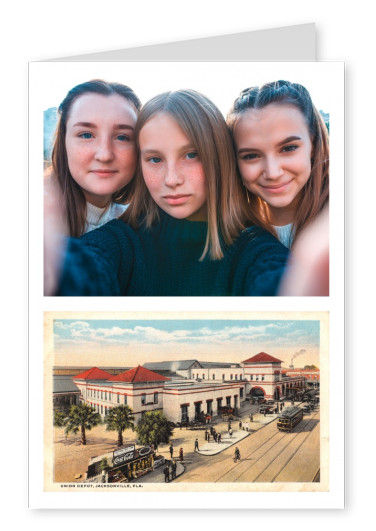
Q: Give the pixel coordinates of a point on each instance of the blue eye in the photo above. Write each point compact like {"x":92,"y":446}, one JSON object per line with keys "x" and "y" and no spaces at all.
{"x":123,"y":138}
{"x":292,"y":147}
{"x":155,"y":160}
{"x":86,"y":136}
{"x":191,"y":155}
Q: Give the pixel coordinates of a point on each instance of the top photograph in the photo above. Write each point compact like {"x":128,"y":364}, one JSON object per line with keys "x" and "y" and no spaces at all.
{"x":187,"y":179}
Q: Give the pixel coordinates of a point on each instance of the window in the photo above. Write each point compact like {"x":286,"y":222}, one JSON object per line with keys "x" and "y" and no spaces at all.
{"x":241,"y":377}
{"x":223,"y":376}
{"x":101,"y":395}
{"x":213,"y":376}
{"x":105,"y":395}
{"x":118,"y":398}
{"x":155,"y":398}
{"x":236,"y":376}
{"x":231,"y":376}
{"x":262,"y":377}
{"x":125,"y":400}
{"x":251,"y":376}
{"x":203,"y":376}
{"x":241,"y":393}
{"x":143,"y":399}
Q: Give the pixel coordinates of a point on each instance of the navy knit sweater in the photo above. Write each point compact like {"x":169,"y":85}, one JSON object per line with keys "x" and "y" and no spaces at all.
{"x":164,"y":260}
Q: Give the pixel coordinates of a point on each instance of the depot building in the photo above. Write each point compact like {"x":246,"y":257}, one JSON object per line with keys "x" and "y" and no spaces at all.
{"x":183,"y":390}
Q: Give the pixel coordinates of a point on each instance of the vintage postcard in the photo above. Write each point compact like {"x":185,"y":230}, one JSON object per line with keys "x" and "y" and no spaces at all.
{"x":186,"y":402}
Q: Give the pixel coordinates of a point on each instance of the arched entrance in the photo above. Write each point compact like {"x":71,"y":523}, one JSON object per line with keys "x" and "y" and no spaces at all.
{"x":257,"y":392}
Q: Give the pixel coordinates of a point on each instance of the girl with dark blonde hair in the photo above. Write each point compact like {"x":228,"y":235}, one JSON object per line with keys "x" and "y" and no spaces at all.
{"x":184,"y":230}
{"x":282,"y":149}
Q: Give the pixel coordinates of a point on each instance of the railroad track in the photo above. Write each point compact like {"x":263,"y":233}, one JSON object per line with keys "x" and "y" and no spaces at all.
{"x":273,"y":456}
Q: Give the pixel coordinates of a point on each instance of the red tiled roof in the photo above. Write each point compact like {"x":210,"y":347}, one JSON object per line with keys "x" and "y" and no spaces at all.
{"x":93,"y":374}
{"x":262,"y":357}
{"x":138,"y":374}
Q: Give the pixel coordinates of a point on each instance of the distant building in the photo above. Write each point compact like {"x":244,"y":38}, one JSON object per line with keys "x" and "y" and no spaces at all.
{"x":312,"y":376}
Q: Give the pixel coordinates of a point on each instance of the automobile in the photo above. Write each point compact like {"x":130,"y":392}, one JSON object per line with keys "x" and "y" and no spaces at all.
{"x":266,"y":409}
{"x":306,"y":409}
{"x":270,"y":402}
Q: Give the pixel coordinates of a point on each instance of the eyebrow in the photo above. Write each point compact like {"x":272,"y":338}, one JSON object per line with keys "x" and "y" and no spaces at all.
{"x":285,"y":141}
{"x":182,"y":149}
{"x":93,"y":126}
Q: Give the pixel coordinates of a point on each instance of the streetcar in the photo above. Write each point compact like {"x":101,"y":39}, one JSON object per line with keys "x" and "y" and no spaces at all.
{"x":289,"y":418}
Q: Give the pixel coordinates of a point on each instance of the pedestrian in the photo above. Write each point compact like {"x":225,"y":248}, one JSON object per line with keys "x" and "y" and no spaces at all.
{"x":240,"y":424}
{"x":211,"y":430}
{"x":206,"y":435}
{"x":215,"y":436}
{"x":181,"y":455}
{"x":219,"y":438}
{"x":237,"y":454}
{"x":229,"y":425}
{"x":196,"y":445}
{"x":230,"y":432}
{"x":173,"y":469}
{"x":166,"y":471}
{"x":251,"y":417}
{"x":171,"y":450}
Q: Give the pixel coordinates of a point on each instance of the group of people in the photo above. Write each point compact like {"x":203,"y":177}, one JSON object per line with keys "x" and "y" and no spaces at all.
{"x":214,"y":434}
{"x":170,"y":198}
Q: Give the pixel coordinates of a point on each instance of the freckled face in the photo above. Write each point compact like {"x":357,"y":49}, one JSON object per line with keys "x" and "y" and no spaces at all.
{"x":172,"y":169}
{"x":273,"y":148}
{"x":100,"y":145}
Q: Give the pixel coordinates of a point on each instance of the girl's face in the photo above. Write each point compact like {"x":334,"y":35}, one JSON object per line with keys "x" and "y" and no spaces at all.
{"x":273,"y":149}
{"x":100,"y":145}
{"x":172,"y":169}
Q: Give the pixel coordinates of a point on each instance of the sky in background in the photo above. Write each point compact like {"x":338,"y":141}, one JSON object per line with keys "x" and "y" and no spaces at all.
{"x":221,"y":82}
{"x":130,"y":343}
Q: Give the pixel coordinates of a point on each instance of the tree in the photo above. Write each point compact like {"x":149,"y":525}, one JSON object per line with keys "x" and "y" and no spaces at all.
{"x":118,"y":419}
{"x":154,"y":428}
{"x":59,"y":418}
{"x":82,"y":417}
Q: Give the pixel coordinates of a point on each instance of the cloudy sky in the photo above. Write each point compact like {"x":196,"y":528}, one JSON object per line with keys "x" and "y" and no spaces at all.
{"x":128,"y":342}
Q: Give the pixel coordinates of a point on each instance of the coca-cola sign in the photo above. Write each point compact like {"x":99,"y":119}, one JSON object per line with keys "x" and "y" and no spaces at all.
{"x":122,"y":451}
{"x":121,"y":459}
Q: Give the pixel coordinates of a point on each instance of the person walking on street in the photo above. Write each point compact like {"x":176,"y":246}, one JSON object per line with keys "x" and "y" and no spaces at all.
{"x":240,"y":424}
{"x":219,"y":438}
{"x":181,"y":455}
{"x":230,"y":432}
{"x":206,"y":435}
{"x":171,"y":450}
{"x":251,"y":417}
{"x":196,"y":445}
{"x":237,"y":454}
{"x":166,"y":471}
{"x":173,"y":468}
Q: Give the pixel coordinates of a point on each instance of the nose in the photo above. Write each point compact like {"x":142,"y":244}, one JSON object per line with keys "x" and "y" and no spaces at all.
{"x":173,"y":177}
{"x":273,"y":168}
{"x":104,"y":152}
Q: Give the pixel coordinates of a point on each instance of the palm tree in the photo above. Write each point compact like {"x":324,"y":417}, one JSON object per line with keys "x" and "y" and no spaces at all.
{"x":82,"y":417}
{"x":118,"y":419}
{"x":154,"y":428}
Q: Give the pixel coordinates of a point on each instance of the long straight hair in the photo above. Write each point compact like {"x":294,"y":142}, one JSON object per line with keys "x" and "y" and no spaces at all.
{"x":73,"y":196}
{"x":315,"y":193}
{"x":202,"y":122}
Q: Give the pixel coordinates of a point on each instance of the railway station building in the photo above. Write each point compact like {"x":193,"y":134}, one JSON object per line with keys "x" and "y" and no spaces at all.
{"x":185,"y":389}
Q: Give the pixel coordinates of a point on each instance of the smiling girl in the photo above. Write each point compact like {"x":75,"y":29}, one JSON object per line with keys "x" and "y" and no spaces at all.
{"x":184,"y":230}
{"x":282,"y":151}
{"x":94,"y":156}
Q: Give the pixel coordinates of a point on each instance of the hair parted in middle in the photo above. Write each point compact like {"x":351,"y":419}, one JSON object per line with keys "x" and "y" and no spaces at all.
{"x":315,"y":193}
{"x":204,"y":125}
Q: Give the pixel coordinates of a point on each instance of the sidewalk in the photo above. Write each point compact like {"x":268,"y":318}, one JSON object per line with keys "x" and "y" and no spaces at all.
{"x":213,"y":448}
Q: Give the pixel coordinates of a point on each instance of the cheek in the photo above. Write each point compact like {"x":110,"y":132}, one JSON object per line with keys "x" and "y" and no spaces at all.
{"x":77,"y":156}
{"x":128,"y":160}
{"x":152,"y":177}
{"x":248,"y":173}
{"x":196,"y":176}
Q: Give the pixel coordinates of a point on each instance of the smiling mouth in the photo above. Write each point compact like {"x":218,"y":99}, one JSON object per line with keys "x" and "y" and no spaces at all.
{"x":104,"y":173}
{"x":276,"y":188}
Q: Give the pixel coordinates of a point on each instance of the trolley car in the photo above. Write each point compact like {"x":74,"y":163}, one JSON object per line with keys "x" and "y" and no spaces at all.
{"x":289,"y":418}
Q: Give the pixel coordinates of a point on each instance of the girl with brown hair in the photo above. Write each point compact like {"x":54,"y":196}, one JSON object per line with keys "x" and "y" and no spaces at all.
{"x":94,"y":156}
{"x":282,"y":149}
